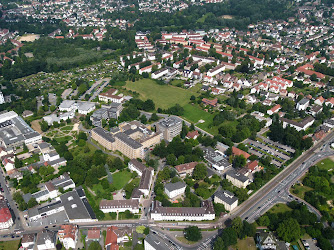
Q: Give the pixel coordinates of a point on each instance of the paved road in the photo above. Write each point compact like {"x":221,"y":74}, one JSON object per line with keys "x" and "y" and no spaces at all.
{"x":98,"y":91}
{"x":90,"y":90}
{"x":18,"y":225}
{"x":277,"y":190}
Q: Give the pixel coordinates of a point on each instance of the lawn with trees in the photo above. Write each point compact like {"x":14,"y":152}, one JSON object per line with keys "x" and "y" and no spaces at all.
{"x":290,"y":225}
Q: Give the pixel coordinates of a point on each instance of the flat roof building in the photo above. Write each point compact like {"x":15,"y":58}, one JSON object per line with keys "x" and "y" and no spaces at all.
{"x":170,"y":127}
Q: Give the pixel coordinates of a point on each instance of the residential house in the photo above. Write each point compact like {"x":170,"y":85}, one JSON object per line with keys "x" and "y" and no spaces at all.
{"x":186,"y":168}
{"x":192,"y":134}
{"x":28,"y":241}
{"x":266,"y":240}
{"x":46,"y":239}
{"x":320,"y":100}
{"x":93,"y":234}
{"x":68,"y":235}
{"x":111,"y":239}
{"x":303,"y":104}
{"x":274,"y":109}
{"x":6,"y":220}
{"x":212,"y":103}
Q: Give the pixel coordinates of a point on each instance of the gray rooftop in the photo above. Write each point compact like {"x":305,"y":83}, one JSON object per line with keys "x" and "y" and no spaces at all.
{"x":175,"y":186}
{"x":158,"y":242}
{"x":170,"y":122}
{"x":237,"y":176}
{"x":226,"y":196}
{"x":127,"y":140}
{"x":103,"y":133}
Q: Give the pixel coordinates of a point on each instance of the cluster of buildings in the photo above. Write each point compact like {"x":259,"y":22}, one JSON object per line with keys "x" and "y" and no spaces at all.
{"x":134,"y":139}
{"x":69,"y":236}
{"x":70,"y":207}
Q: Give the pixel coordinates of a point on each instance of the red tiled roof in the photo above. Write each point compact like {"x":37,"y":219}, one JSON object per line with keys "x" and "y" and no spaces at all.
{"x":252,"y":165}
{"x":68,"y":231}
{"x":109,"y":93}
{"x":237,"y":151}
{"x":93,"y":234}
{"x":192,"y":134}
{"x":5,"y":214}
{"x":111,"y":238}
{"x":186,"y":166}
{"x":210,"y":102}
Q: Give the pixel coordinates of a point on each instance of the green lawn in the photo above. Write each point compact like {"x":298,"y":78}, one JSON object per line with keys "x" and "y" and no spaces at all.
{"x":121,"y":216}
{"x":300,"y":190}
{"x":184,"y":240}
{"x":164,"y":96}
{"x":63,"y":139}
{"x":193,"y":114}
{"x":32,"y":159}
{"x":67,"y":128}
{"x":326,"y":164}
{"x":247,"y":243}
{"x":120,"y":179}
{"x":9,"y":245}
{"x":279,"y":208}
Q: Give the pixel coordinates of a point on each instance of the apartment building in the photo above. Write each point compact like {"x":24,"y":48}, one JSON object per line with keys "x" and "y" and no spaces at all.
{"x":170,"y":127}
{"x":228,"y":199}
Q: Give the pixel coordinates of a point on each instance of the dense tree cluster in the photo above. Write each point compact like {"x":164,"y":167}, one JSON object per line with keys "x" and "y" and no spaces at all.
{"x":178,"y":152}
{"x":229,"y":236}
{"x":245,"y":127}
{"x":192,"y":233}
{"x":289,"y":136}
{"x":210,"y":16}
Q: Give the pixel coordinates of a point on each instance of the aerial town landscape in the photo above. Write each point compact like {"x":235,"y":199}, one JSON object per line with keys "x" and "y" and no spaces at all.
{"x":202,"y":124}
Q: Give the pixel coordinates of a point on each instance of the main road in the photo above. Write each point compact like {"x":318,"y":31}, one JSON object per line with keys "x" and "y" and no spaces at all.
{"x":277,"y":189}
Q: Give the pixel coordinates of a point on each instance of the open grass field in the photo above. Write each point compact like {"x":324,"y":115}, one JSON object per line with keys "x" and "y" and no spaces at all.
{"x":300,"y":190}
{"x":120,"y":179}
{"x":164,"y":96}
{"x":9,"y":245}
{"x":194,"y":114}
{"x":279,"y":208}
{"x":326,"y":164}
{"x":247,"y":243}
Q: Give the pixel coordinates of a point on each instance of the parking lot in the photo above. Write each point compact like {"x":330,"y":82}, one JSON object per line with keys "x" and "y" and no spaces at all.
{"x":265,"y":147}
{"x":57,"y":218}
